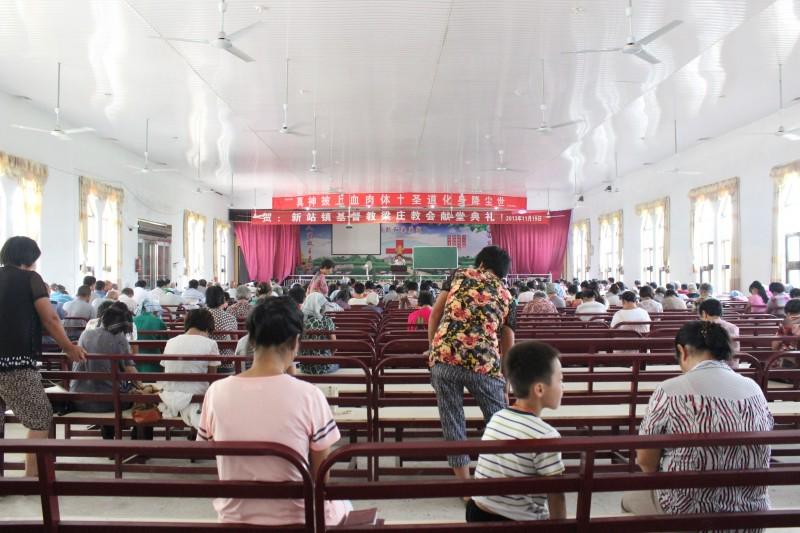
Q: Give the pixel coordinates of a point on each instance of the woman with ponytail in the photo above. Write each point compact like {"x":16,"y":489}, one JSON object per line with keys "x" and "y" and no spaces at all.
{"x":757,"y":301}
{"x":708,"y":398}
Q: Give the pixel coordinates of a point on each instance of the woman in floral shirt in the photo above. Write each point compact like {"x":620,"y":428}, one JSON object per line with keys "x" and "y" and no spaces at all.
{"x":470,"y":326}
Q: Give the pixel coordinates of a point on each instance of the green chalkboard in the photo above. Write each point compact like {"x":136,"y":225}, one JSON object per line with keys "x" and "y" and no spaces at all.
{"x":435,"y":257}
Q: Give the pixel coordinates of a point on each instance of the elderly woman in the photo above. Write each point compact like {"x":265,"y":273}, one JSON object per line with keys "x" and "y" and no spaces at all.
{"x":708,"y":398}
{"x":242,"y":307}
{"x":313,"y":308}
{"x":469,"y":328}
{"x":540,"y":305}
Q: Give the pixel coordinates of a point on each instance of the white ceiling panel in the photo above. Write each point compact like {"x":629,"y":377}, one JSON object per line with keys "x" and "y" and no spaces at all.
{"x":408,"y":94}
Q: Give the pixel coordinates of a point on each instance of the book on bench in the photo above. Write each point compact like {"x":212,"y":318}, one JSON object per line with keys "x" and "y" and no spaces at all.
{"x":362,"y":517}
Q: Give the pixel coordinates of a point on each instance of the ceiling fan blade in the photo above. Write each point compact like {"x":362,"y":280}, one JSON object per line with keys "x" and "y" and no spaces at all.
{"x":647,"y":56}
{"x":594,"y":51}
{"x":564,"y":124}
{"x":29,"y":128}
{"x":76,"y":131}
{"x":240,"y":54}
{"x":239,"y":33}
{"x":659,"y":32}
{"x":180,"y":40}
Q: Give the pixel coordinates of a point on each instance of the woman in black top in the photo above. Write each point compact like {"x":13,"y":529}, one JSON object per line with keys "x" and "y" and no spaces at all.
{"x":24,"y":309}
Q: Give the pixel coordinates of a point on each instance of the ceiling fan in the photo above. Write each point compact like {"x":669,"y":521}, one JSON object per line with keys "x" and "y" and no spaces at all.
{"x":223,"y":41}
{"x":314,"y":167}
{"x":501,"y":166}
{"x":146,"y":168}
{"x":676,"y":169}
{"x":200,"y":187}
{"x":545,"y":127}
{"x":578,"y":195}
{"x":549,"y":214}
{"x":633,"y":46}
{"x":792,"y":134}
{"x":58,"y":132}
{"x":285,"y":128}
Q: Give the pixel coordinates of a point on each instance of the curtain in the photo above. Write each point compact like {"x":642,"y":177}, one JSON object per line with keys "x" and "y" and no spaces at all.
{"x":269,"y":251}
{"x":653,"y":207}
{"x":781,"y":176}
{"x":535,"y":249}
{"x":31,"y":178}
{"x":220,"y":226}
{"x":192,"y":253}
{"x":714,"y":193}
{"x":106,"y":195}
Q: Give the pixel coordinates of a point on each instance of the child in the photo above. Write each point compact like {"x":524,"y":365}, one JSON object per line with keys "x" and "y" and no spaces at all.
{"x":534,"y":373}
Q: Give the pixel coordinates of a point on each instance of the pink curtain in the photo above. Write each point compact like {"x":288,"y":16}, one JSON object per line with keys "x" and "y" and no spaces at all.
{"x":269,"y":251}
{"x":535,"y":249}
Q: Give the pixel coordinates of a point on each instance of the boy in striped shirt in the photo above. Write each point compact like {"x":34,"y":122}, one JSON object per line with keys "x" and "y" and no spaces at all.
{"x":534,"y":372}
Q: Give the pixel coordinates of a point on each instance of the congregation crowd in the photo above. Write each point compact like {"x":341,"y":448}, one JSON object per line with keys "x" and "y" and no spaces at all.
{"x":470,"y":319}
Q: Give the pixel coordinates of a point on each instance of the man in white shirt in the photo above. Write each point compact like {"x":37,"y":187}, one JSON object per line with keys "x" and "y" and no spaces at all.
{"x":127,"y":297}
{"x":140,"y":291}
{"x":526,"y":295}
{"x":590,"y":306}
{"x":631,"y":313}
{"x":156,"y":294}
{"x":169,"y":298}
{"x":192,"y":294}
{"x":647,"y":303}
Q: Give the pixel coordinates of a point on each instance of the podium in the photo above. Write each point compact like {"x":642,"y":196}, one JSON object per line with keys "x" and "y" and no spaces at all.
{"x":399,"y":270}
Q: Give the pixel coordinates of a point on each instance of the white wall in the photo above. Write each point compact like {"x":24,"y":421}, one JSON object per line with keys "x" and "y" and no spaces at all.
{"x":158,"y":197}
{"x":750,"y":157}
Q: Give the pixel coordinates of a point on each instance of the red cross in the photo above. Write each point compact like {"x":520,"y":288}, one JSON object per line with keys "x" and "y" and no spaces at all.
{"x":398,"y":249}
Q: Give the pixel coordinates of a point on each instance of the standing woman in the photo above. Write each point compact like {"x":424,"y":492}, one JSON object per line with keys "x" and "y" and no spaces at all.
{"x":24,"y":311}
{"x":469,"y":328}
{"x":318,"y":283}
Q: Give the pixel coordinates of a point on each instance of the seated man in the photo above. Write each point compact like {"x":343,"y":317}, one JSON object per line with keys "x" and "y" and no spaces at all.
{"x":709,"y":397}
{"x":534,"y":372}
{"x":589,"y":305}
{"x":193,"y":295}
{"x":79,"y":308}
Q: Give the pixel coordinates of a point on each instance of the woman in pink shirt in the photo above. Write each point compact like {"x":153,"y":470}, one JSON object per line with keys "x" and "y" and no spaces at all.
{"x":757,"y":301}
{"x":318,"y":283}
{"x":419,"y":318}
{"x":298,"y":417}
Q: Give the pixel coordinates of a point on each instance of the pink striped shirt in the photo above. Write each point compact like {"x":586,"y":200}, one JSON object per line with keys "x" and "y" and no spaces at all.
{"x":710,"y":398}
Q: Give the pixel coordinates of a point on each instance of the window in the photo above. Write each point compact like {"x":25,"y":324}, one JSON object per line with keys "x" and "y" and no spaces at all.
{"x":3,"y":214}
{"x":222,"y":231}
{"x":654,"y":238}
{"x":27,"y":209}
{"x":581,"y":247}
{"x":100,"y":229}
{"x":92,"y":262}
{"x":715,"y":233}
{"x":194,"y":244}
{"x":24,"y":199}
{"x":611,"y":245}
{"x":786,"y":226}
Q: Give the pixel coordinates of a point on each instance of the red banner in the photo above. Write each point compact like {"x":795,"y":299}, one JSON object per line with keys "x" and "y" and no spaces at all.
{"x":413,"y":216}
{"x":398,"y":199}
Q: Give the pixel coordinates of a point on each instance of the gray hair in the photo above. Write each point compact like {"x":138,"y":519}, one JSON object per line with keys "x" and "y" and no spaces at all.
{"x":242,"y":292}
{"x":539,"y":294}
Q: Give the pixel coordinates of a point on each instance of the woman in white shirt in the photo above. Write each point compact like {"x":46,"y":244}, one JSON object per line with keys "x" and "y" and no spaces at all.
{"x":176,"y":396}
{"x":631,"y":313}
{"x":590,"y":305}
{"x":612,"y":296}
{"x":647,"y":302}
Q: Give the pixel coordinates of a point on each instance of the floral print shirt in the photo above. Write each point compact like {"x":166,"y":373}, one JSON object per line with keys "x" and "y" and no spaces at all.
{"x":477,"y":306}
{"x":240,"y":309}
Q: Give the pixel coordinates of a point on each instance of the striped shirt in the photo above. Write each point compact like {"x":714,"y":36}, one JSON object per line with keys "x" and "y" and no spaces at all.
{"x":710,"y":398}
{"x":510,"y":424}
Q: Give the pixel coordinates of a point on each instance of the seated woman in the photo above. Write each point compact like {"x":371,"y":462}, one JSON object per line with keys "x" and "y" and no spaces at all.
{"x":540,"y":305}
{"x":176,"y":396}
{"x":630,"y":312}
{"x":418,"y":320}
{"x":708,"y":398}
{"x":298,"y":417}
{"x":757,"y":301}
{"x":242,"y":307}
{"x":314,"y":318}
{"x":107,"y":339}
